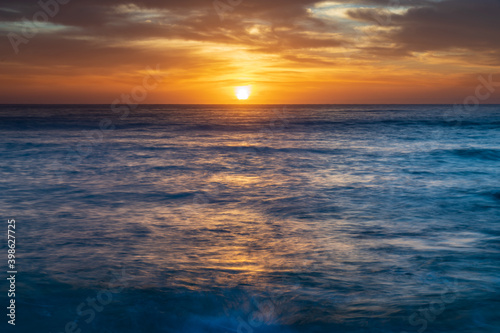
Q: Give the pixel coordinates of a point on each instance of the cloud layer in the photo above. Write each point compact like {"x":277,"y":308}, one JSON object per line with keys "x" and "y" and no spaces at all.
{"x":288,"y":46}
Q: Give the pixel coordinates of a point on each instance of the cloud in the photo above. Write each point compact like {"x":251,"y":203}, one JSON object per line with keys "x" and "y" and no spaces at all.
{"x":298,"y":38}
{"x":449,"y":25}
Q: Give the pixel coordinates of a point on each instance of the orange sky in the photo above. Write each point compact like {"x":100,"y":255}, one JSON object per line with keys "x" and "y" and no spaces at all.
{"x":292,"y":51}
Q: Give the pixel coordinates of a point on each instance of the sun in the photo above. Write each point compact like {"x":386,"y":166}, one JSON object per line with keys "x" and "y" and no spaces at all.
{"x":243,"y":92}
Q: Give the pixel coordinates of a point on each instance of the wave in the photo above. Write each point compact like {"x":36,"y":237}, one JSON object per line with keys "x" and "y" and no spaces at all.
{"x":231,"y":310}
{"x":192,"y":121}
{"x":492,"y":194}
{"x":484,"y":154}
{"x":472,"y":153}
{"x":271,"y":150}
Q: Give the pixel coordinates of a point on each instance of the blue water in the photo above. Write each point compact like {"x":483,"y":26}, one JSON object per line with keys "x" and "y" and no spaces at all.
{"x":310,"y":218}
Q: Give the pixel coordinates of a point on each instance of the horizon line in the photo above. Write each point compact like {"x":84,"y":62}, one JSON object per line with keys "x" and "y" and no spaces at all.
{"x":246,"y":104}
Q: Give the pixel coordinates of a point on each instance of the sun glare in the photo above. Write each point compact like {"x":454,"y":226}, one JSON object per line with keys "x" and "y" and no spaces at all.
{"x":243,"y":92}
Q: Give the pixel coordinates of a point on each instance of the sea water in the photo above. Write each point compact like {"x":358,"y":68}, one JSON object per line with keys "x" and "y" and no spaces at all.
{"x":253,"y":218}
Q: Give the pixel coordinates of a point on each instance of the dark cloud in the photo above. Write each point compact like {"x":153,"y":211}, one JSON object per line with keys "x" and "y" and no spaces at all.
{"x":427,"y":25}
{"x":289,"y":25}
{"x":442,"y":26}
{"x":194,"y":20}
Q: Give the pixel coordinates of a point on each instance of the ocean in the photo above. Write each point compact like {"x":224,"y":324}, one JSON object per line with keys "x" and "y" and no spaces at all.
{"x":252,"y":218}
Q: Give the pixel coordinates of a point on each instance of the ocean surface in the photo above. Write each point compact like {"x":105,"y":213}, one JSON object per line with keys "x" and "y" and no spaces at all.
{"x":252,"y":218}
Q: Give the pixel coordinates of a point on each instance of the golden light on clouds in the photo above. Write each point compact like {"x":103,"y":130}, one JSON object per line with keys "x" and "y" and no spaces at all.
{"x":312,"y":52}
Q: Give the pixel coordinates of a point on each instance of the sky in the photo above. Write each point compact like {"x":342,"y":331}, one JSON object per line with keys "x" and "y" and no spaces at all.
{"x":285,"y":51}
